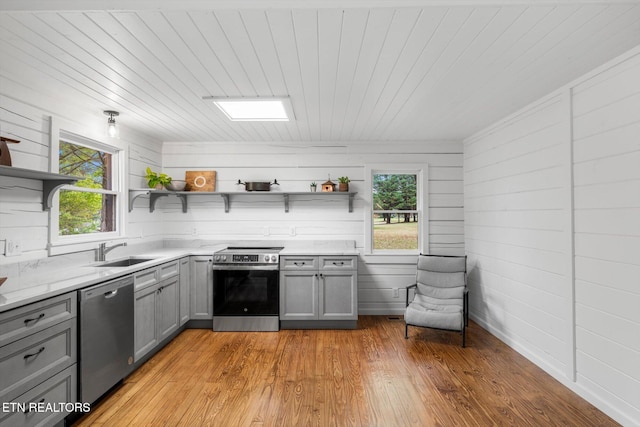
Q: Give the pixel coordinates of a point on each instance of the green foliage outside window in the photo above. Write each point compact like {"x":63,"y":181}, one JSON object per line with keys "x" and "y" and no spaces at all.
{"x":395,"y":192}
{"x":83,"y":212}
{"x":395,"y":216}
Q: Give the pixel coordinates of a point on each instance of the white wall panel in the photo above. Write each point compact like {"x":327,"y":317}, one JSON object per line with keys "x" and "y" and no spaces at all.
{"x":21,"y":214}
{"x":515,"y":233}
{"x":606,"y":128}
{"x":295,"y":165}
{"x":552,"y":230}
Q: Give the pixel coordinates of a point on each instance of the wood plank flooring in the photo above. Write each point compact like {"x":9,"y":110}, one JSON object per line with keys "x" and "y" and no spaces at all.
{"x":371,"y":376}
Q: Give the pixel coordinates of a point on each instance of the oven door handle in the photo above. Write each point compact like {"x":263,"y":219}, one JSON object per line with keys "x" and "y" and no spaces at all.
{"x":236,"y":267}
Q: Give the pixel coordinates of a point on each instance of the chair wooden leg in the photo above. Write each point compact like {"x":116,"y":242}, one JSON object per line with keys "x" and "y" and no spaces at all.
{"x":406,"y":331}
{"x":464,"y":330}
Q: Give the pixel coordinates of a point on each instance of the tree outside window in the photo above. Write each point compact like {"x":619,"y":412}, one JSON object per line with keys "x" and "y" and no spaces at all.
{"x":91,"y":206}
{"x":395,"y":212}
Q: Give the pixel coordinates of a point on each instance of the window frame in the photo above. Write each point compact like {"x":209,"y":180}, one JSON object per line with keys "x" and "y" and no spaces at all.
{"x":78,"y":242}
{"x":422,"y":204}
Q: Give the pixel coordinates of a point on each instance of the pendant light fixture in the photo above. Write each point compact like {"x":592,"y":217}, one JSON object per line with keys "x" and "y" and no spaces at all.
{"x":112,"y":127}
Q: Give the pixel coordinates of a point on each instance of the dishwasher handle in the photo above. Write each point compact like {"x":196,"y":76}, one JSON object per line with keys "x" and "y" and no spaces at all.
{"x":111,"y":294}
{"x":105,"y":290}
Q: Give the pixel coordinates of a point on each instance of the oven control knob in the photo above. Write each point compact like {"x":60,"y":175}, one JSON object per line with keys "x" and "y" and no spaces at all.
{"x":266,"y":258}
{"x":224,"y":257}
{"x":274,"y":258}
{"x":217,"y":258}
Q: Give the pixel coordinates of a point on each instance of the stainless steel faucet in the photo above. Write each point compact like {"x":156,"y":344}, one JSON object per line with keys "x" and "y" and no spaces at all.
{"x":102,"y":250}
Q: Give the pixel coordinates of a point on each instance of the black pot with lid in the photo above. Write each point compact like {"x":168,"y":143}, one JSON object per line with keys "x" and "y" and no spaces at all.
{"x":258,"y":185}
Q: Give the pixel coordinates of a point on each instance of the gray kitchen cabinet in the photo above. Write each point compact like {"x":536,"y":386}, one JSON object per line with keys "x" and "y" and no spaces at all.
{"x":338,"y":295}
{"x":60,"y":388}
{"x":184,"y":290}
{"x":38,"y":350}
{"x":298,"y":295}
{"x":156,"y":315}
{"x":318,"y":291}
{"x":145,"y":278}
{"x":168,"y":305}
{"x":157,"y":305}
{"x":201,"y":288}
{"x":29,"y":319}
{"x":151,"y":276}
{"x":146,"y":337}
{"x":338,"y":290}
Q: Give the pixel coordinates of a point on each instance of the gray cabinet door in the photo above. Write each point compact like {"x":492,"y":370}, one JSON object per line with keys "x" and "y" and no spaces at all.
{"x":146,"y":336}
{"x":184,"y":290}
{"x":201,"y":289}
{"x":61,"y":387}
{"x":167,"y":305}
{"x":298,"y":295}
{"x":338,"y":295}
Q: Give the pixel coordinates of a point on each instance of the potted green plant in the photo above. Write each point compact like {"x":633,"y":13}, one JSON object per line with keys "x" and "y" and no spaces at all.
{"x":343,"y":183}
{"x":157,"y":180}
{"x":313,"y":186}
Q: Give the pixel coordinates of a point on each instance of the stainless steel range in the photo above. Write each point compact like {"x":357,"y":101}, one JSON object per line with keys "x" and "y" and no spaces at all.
{"x":246,"y":290}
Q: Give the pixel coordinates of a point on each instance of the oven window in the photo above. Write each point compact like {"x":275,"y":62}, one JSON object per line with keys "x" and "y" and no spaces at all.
{"x":245,"y":292}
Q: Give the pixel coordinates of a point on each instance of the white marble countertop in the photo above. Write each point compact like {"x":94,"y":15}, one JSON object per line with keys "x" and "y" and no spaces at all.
{"x":18,"y":291}
{"x":26,"y":289}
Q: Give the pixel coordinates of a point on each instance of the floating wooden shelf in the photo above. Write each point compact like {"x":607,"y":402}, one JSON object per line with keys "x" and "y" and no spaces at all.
{"x":51,"y":182}
{"x":154,"y":195}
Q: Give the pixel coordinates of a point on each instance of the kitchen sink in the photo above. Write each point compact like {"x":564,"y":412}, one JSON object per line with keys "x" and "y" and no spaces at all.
{"x":125,"y":262}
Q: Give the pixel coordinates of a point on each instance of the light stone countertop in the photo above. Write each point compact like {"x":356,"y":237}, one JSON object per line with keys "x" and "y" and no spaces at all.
{"x":22,"y":290}
{"x":26,"y":289}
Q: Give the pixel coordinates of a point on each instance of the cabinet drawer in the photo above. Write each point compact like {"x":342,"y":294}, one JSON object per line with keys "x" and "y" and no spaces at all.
{"x":338,"y":263}
{"x":169,"y":269}
{"x":20,"y":322}
{"x":29,"y":409}
{"x":299,"y":263}
{"x":29,"y":361}
{"x":145,"y":278}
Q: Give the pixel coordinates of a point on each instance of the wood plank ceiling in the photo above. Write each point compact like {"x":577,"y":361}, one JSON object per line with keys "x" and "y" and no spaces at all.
{"x":379,"y":70}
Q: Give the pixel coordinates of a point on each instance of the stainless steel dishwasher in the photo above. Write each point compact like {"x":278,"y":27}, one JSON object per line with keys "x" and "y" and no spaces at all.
{"x":106,"y":336}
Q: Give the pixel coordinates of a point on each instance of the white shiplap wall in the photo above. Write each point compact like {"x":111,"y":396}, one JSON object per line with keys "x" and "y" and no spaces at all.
{"x":295,"y":165}
{"x":606,"y":147}
{"x":21,"y":214}
{"x":552,"y":217}
{"x":515,"y":231}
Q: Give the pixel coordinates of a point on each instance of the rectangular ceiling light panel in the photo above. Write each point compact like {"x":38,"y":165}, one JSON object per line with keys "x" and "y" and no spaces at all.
{"x":255,"y":109}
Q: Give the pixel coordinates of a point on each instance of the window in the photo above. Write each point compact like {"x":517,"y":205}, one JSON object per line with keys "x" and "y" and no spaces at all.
{"x":89,"y":210}
{"x":397,"y":221}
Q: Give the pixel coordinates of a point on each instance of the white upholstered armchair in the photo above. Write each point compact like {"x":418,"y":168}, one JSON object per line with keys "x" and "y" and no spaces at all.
{"x":440,"y":298}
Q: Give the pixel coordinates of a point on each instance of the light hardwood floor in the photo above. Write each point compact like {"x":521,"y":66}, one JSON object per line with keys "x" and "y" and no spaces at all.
{"x":371,"y":376}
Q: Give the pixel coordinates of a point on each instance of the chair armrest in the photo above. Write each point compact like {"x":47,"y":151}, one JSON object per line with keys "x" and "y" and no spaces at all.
{"x":415,"y":285}
{"x":465,"y":306}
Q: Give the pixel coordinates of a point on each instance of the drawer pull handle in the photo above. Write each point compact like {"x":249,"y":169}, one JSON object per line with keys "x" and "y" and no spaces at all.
{"x":33,"y":319}
{"x":339,"y":263}
{"x":26,"y":411}
{"x":27,"y":356}
{"x":300,"y":264}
